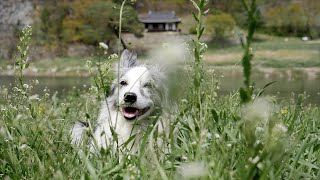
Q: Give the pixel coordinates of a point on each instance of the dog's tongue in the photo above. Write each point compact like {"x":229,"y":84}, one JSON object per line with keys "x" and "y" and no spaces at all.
{"x":130,"y":112}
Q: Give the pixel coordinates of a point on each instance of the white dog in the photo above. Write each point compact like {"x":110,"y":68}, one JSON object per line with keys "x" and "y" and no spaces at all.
{"x":136,"y":99}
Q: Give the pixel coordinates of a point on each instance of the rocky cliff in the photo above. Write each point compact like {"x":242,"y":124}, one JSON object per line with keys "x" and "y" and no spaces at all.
{"x":14,"y":14}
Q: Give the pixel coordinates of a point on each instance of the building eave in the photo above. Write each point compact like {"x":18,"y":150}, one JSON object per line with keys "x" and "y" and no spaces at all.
{"x":160,"y":21}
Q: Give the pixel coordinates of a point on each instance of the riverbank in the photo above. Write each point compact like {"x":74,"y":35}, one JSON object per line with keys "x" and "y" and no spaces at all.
{"x":310,"y":73}
{"x":273,"y":56}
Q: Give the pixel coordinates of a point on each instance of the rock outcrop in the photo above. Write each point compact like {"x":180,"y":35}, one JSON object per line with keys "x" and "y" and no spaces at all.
{"x":14,"y":15}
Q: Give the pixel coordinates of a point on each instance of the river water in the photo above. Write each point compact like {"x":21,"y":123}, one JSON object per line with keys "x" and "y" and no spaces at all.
{"x":284,"y":89}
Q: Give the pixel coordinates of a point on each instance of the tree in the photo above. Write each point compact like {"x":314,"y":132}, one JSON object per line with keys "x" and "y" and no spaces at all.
{"x":86,"y":21}
{"x":220,"y":25}
{"x":49,"y":25}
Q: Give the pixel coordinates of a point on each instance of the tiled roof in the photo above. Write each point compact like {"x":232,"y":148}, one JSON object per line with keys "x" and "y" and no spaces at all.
{"x":160,"y":17}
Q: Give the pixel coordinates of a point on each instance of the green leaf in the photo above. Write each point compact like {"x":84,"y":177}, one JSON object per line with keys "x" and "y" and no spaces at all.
{"x":195,"y":17}
{"x":201,"y":32}
{"x":114,"y":134}
{"x":215,"y":115}
{"x":89,"y":165}
{"x":195,"y":5}
{"x":263,"y":89}
{"x":244,"y":95}
{"x":202,"y":3}
{"x":87,"y":116}
{"x":129,"y":140}
{"x":205,"y":12}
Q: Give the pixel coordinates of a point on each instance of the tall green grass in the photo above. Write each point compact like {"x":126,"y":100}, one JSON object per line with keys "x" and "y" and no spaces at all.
{"x":211,"y":137}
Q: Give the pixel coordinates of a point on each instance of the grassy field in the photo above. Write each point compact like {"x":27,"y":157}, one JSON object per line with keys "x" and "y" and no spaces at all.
{"x":270,"y":51}
{"x":264,"y":140}
{"x":244,"y":135}
{"x":212,"y":137}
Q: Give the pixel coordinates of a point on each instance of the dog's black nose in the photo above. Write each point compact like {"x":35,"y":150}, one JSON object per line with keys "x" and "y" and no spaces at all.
{"x":130,"y":97}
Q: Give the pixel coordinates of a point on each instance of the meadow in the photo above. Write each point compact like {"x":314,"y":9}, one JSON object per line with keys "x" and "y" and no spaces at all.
{"x":244,"y":135}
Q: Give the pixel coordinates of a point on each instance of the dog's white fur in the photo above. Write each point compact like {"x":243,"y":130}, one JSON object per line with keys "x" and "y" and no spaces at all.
{"x":129,"y":119}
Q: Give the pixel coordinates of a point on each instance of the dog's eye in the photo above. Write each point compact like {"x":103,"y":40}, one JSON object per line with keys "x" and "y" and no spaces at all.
{"x":123,"y":83}
{"x":147,"y":85}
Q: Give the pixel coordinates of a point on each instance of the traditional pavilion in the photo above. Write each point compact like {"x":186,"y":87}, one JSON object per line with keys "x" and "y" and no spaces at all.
{"x":161,"y":21}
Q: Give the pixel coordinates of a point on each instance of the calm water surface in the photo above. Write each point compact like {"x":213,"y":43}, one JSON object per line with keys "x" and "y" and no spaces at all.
{"x":283,"y":89}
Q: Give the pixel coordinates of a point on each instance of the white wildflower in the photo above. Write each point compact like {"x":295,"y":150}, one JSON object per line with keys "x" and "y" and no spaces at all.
{"x":193,"y":170}
{"x":281,"y":127}
{"x":89,"y":63}
{"x":203,"y":47}
{"x":23,"y":146}
{"x":255,"y":160}
{"x":260,"y":165}
{"x":261,"y":109}
{"x":26,"y":86}
{"x":34,"y":97}
{"x":184,"y":158}
{"x":113,"y":57}
{"x":103,"y":45}
{"x":184,"y":101}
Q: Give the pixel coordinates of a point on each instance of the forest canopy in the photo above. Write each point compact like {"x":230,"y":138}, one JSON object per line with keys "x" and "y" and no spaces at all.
{"x":85,"y":21}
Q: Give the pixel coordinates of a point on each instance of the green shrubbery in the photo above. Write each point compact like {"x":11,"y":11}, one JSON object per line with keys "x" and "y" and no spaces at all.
{"x":297,"y":19}
{"x":220,"y":25}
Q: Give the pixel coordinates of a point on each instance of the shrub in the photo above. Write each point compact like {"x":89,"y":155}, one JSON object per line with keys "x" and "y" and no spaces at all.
{"x":220,"y":25}
{"x":295,"y":19}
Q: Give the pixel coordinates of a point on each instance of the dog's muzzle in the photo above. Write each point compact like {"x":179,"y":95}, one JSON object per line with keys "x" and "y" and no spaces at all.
{"x":129,"y":111}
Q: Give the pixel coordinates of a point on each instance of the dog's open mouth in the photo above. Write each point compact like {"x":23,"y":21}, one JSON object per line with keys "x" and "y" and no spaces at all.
{"x":131,"y":113}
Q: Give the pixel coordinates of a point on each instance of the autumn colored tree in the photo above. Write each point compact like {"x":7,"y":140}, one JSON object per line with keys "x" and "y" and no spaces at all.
{"x":86,"y":21}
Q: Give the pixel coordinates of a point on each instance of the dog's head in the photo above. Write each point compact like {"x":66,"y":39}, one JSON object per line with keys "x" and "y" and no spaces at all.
{"x":139,"y":91}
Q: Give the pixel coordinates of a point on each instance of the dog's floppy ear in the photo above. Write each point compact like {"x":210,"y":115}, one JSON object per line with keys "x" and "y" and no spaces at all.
{"x":127,"y":60}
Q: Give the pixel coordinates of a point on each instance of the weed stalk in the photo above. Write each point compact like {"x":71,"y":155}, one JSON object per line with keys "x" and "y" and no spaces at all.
{"x":246,"y":92}
{"x":199,"y":49}
{"x":21,"y":63}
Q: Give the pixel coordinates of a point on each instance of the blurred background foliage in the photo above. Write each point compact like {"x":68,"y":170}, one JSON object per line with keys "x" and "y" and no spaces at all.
{"x":58,"y":23}
{"x":92,"y":21}
{"x":89,"y":21}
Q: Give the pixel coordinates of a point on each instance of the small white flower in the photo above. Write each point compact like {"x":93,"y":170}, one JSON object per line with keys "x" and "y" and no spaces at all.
{"x":23,"y":146}
{"x":113,"y":57}
{"x":34,"y":97}
{"x":193,"y":170}
{"x":103,"y":45}
{"x":255,"y":160}
{"x":26,"y":86}
{"x":281,"y":128}
{"x":184,"y":101}
{"x":184,"y":158}
{"x":260,"y":165}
